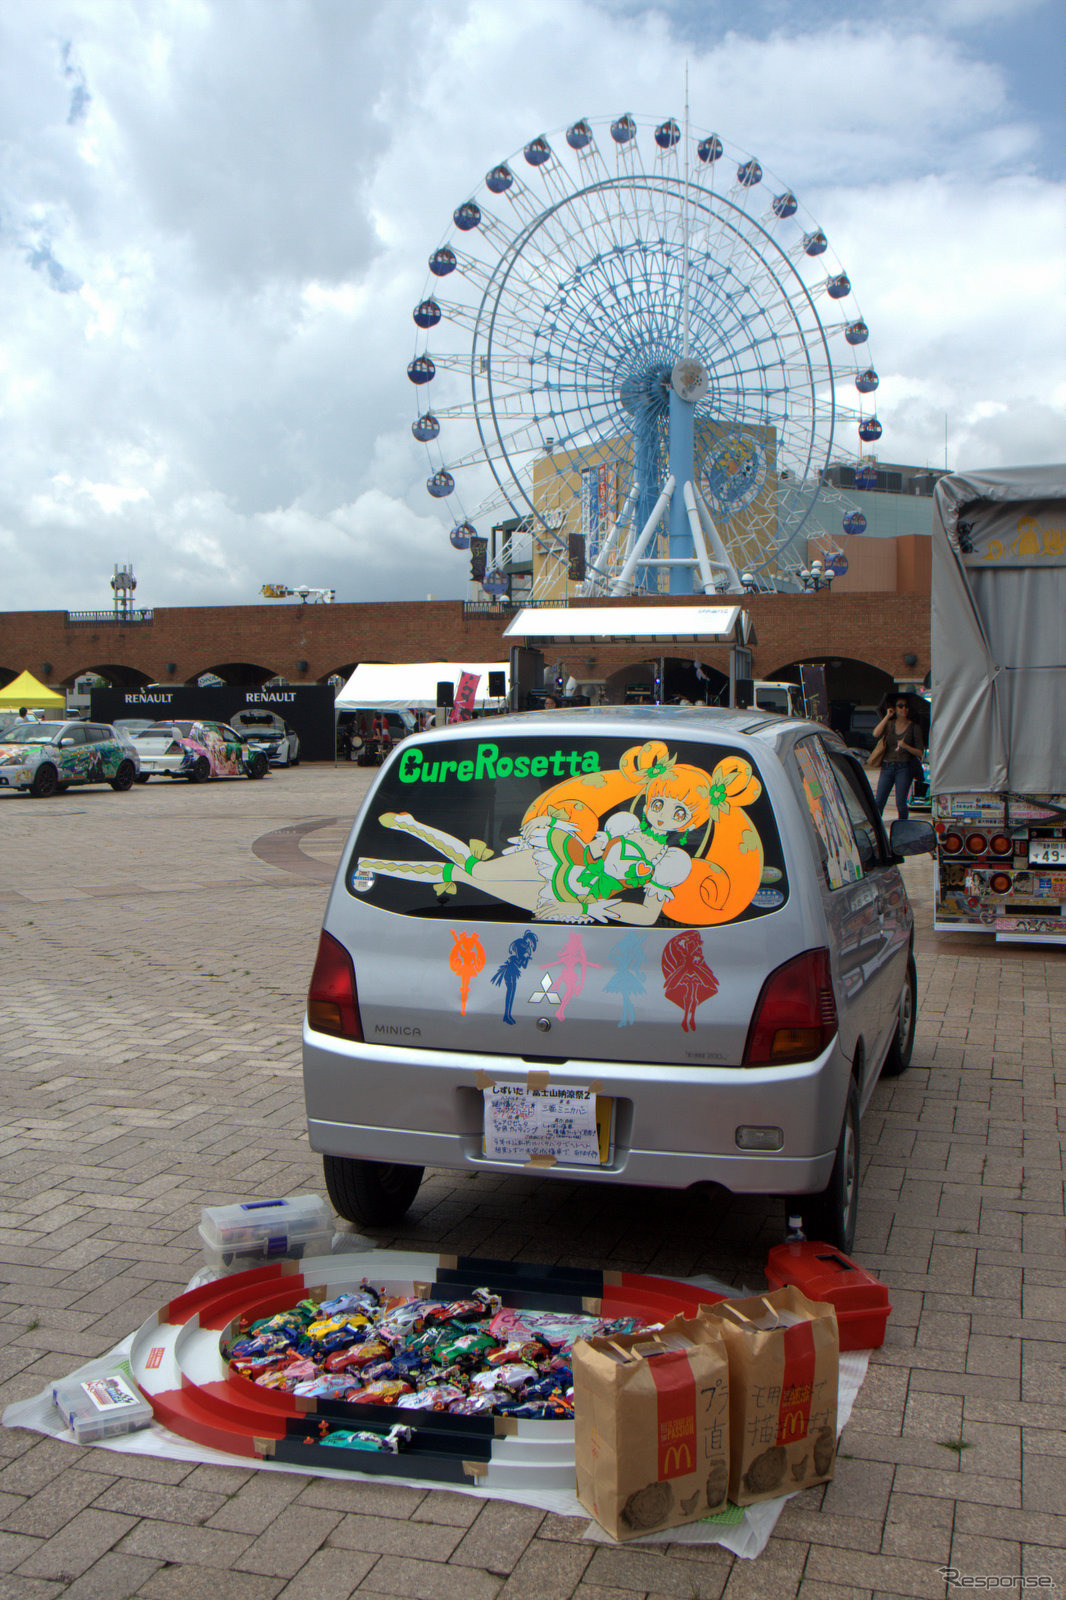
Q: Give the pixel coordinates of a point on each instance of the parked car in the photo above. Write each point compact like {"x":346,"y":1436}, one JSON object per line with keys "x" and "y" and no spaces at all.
{"x":197,"y":751}
{"x":266,"y":731}
{"x":638,"y":945}
{"x":48,"y":757}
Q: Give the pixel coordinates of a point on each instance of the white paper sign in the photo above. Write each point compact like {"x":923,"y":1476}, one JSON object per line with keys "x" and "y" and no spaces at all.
{"x":559,"y":1121}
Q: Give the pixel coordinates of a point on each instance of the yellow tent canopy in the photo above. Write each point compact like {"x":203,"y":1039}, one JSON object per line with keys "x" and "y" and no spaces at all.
{"x":26,"y":691}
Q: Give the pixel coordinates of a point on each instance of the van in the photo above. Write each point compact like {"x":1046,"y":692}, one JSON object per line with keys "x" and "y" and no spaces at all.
{"x":662,"y":946}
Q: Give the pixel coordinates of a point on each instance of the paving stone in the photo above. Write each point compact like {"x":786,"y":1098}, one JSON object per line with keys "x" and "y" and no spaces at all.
{"x":292,"y":1537}
{"x":184,"y":1582}
{"x":498,"y":1537}
{"x":432,"y":1580}
{"x":77,"y":1545}
{"x":328,"y":1575}
{"x":113,"y":1577}
{"x":424,"y":1541}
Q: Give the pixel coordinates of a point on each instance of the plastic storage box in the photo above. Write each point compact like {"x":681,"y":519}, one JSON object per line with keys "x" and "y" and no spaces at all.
{"x":241,"y":1236}
{"x":823,"y":1273}
{"x":101,"y":1407}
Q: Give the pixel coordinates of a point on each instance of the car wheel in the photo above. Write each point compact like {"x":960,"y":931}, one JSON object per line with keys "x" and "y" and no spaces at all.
{"x":61,"y":788}
{"x":370,"y":1193}
{"x":142,"y":777}
{"x":258,"y":766}
{"x":124,"y":777}
{"x":201,"y":770}
{"x":45,"y":781}
{"x":899,"y":1051}
{"x":830,"y":1217}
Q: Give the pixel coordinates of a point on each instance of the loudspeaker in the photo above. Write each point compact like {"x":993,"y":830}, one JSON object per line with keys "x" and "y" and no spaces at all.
{"x":445,"y":692}
{"x":744,"y":691}
{"x":497,"y":685}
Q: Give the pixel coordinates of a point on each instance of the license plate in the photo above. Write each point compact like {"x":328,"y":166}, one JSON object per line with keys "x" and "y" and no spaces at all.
{"x":1047,"y":852}
{"x":560,"y":1123}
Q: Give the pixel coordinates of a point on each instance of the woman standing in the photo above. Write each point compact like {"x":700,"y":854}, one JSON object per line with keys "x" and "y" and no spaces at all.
{"x":903,"y":753}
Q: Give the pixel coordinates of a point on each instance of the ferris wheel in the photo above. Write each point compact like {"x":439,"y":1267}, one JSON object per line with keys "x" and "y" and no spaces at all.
{"x":636,"y":355}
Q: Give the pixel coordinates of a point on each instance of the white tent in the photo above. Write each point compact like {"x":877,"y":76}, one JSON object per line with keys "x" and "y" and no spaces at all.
{"x":412,"y":685}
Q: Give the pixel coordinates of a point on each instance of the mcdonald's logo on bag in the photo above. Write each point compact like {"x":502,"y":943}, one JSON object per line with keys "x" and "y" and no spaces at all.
{"x":676,"y":1461}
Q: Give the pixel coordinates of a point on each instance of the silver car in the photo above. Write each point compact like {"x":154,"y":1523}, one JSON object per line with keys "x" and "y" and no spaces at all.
{"x":266,"y":731}
{"x":632,"y":945}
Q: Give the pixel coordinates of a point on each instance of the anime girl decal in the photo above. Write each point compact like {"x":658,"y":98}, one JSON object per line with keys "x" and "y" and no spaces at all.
{"x":466,"y":961}
{"x":518,"y":956}
{"x":652,"y":837}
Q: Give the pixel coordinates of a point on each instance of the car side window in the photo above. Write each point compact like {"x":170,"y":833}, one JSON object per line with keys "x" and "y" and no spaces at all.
{"x":838,"y":848}
{"x":75,"y":733}
{"x":861,"y":812}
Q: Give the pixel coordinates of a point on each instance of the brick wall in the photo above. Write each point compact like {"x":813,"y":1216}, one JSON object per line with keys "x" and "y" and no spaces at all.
{"x":877,"y":628}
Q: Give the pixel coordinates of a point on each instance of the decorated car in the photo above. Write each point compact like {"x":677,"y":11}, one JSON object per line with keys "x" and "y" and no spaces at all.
{"x":196,"y":751}
{"x":45,"y":758}
{"x":268,"y":732}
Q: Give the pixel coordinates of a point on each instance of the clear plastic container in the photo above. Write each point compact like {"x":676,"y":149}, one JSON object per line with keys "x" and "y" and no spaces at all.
{"x":101,"y":1407}
{"x":246,"y":1235}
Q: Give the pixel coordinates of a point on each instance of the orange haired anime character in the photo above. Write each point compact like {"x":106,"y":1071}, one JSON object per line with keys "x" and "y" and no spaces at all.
{"x":568,"y":864}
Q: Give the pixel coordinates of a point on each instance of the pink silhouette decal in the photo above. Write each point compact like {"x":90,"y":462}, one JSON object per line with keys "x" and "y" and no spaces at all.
{"x":466,"y":961}
{"x":574,"y":963}
{"x":688,"y":980}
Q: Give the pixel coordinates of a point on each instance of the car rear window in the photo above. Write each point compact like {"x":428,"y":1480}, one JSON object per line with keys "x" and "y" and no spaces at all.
{"x":569,"y":828}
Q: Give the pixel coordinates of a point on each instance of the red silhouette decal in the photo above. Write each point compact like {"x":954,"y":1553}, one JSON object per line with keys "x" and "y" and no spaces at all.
{"x":688,"y":980}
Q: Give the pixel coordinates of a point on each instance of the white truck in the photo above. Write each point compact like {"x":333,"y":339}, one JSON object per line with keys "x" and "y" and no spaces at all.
{"x":998,"y":746}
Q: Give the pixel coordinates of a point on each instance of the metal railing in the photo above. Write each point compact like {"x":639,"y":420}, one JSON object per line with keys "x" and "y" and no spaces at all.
{"x":114,"y":619}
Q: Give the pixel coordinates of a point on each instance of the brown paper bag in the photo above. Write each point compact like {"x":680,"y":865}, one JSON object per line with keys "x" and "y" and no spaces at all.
{"x":651,"y":1426}
{"x":876,"y":756}
{"x":784,"y":1358}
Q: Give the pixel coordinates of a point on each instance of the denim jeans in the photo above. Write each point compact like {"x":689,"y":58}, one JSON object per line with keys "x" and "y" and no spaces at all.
{"x":896,"y":773}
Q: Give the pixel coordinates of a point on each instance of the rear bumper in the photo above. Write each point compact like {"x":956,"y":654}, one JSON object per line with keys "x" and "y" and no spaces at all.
{"x":673,"y":1126}
{"x":163,"y":766}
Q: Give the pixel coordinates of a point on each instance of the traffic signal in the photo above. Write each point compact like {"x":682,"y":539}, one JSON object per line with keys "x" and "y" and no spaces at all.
{"x":575,"y":543}
{"x":479,"y":549}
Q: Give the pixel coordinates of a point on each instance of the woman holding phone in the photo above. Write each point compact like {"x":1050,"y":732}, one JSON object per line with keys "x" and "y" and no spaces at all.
{"x":903,"y":753}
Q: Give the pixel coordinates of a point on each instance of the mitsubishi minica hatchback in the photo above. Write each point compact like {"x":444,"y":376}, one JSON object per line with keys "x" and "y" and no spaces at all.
{"x":633,"y":945}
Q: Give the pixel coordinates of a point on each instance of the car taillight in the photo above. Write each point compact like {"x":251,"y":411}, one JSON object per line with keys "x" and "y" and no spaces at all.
{"x":796,"y":1014}
{"x":332,"y":1003}
{"x":1000,"y":883}
{"x":951,"y":843}
{"x":174,"y":748}
{"x":977,"y":844}
{"x":1001,"y":844}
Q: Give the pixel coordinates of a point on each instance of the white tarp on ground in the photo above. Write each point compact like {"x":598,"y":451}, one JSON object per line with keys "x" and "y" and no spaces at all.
{"x":412,"y":685}
{"x":745,"y":1532}
{"x":999,"y":662}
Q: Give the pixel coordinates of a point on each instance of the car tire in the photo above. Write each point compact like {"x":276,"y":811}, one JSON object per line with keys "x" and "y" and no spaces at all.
{"x":899,"y":1051}
{"x":830,"y":1217}
{"x":61,"y":788}
{"x":370,"y":1193}
{"x":45,"y":782}
{"x":258,"y":765}
{"x":142,"y":777}
{"x":201,"y":770}
{"x":124,"y":777}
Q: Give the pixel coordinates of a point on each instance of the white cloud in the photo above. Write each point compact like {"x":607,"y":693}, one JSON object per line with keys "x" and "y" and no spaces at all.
{"x":247,"y":197}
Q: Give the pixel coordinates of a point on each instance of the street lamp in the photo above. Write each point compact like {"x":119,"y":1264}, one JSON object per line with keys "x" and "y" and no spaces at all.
{"x":747,"y":582}
{"x":816,"y":577}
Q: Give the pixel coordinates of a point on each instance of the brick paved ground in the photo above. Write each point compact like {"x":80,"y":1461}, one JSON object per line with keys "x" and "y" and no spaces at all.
{"x":157,"y":948}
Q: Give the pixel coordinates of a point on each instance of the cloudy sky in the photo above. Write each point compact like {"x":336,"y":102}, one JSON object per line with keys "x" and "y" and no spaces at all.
{"x":215,"y":217}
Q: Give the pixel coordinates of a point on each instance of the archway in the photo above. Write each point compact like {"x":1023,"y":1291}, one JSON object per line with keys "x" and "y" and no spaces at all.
{"x":851,"y":686}
{"x":235,"y":674}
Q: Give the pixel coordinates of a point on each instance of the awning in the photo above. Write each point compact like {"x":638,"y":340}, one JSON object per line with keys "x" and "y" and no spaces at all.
{"x":25,"y":690}
{"x":642,"y":624}
{"x":412,"y":685}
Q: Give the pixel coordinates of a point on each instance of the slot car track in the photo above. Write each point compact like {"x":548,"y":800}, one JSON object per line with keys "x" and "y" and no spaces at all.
{"x":176,"y":1359}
